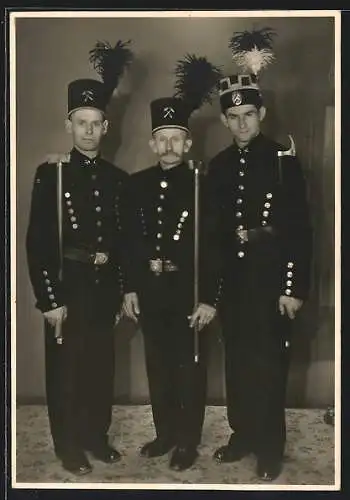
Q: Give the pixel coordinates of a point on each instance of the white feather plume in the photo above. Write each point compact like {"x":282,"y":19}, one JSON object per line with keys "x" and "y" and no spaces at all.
{"x":253,"y":60}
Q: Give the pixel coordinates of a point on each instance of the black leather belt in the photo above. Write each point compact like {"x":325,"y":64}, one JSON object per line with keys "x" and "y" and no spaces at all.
{"x":158,"y":266}
{"x":82,"y":255}
{"x":255,"y":233}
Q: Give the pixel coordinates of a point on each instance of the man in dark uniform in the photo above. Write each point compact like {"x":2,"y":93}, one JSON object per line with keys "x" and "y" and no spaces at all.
{"x":266,"y":245}
{"x":160,"y":286}
{"x":80,"y":290}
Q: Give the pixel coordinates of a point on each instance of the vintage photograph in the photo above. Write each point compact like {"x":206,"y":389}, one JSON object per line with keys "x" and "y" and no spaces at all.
{"x":175,"y":249}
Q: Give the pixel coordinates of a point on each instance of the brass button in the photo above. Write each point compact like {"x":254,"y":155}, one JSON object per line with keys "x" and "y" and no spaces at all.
{"x":45,"y":273}
{"x":99,"y":238}
{"x":96,"y":192}
{"x":241,"y":187}
{"x":70,"y":211}
{"x":185,"y":213}
{"x":288,"y":291}
{"x":51,"y":296}
{"x":266,"y":213}
{"x":240,"y":173}
{"x":54,"y":305}
{"x":240,"y":255}
{"x":158,"y":248}
{"x":67,"y":195}
{"x":98,"y":223}
{"x":242,"y":160}
{"x":159,"y":235}
{"x":163,"y":184}
{"x":267,"y":205}
{"x":238,"y":214}
{"x":73,"y":218}
{"x":176,"y":237}
{"x":290,"y":265}
{"x":159,"y":209}
{"x":269,"y":196}
{"x":289,"y":274}
{"x":75,"y":226}
{"x":289,"y":283}
{"x":98,"y":209}
{"x":47,"y":282}
{"x":239,"y":201}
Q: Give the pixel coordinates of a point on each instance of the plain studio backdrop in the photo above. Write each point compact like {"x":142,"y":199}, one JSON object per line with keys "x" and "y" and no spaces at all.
{"x":299,"y":92}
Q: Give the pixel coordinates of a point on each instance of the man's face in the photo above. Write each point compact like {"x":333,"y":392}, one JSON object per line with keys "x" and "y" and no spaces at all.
{"x":243,"y":122}
{"x":87,"y":127}
{"x":170,"y":145}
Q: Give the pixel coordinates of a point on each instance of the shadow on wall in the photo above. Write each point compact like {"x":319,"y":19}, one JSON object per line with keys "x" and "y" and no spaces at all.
{"x":130,"y":84}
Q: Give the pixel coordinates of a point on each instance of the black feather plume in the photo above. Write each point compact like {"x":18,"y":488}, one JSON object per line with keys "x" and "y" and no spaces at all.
{"x":247,"y":40}
{"x":110,"y":62}
{"x":196,"y":80}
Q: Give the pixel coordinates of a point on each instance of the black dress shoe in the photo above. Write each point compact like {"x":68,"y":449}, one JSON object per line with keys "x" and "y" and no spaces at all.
{"x":183,"y":458}
{"x":230,"y":453}
{"x":156,"y":448}
{"x":268,"y":470}
{"x":106,"y":454}
{"x":77,"y":465}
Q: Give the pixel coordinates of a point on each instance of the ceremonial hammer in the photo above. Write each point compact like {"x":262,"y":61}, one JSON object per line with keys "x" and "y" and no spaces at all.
{"x":290,"y":152}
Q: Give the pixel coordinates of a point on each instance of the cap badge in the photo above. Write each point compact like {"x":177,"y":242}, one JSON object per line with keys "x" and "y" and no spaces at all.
{"x":237,"y":98}
{"x":87,"y":95}
{"x":168,"y":112}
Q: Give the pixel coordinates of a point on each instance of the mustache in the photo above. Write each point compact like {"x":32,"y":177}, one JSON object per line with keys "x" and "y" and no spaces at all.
{"x":171,"y":153}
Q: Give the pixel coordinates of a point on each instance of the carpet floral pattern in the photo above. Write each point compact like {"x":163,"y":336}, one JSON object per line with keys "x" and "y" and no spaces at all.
{"x":309,"y":456}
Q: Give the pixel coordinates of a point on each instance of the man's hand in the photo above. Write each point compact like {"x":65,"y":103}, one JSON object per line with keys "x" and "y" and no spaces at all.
{"x":131,"y":305}
{"x":289,"y":305}
{"x":58,"y":157}
{"x":203,"y":315}
{"x":56,"y":315}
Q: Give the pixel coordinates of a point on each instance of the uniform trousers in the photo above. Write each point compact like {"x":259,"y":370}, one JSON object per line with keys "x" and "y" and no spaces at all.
{"x":80,"y":372}
{"x":177,"y":384}
{"x":257,"y":348}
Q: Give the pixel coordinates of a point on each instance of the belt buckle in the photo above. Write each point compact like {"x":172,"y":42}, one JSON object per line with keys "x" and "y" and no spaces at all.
{"x":169,"y":266}
{"x":100,"y":258}
{"x":156,"y":266}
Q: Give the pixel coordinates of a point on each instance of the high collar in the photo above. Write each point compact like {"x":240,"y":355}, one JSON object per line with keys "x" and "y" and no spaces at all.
{"x":251,"y":146}
{"x":168,"y":173}
{"x":82,"y":160}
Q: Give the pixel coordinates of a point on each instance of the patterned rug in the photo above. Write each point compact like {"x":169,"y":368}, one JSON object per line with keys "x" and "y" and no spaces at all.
{"x":309,"y":456}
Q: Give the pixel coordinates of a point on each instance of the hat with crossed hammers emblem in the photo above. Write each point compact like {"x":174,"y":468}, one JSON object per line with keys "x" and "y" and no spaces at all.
{"x":169,"y":112}
{"x":195,"y":82}
{"x":86,"y":93}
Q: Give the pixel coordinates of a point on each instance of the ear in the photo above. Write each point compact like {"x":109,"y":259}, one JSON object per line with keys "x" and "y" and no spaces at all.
{"x":104,"y":127}
{"x":68,"y":125}
{"x":153,"y":145}
{"x":224,"y":119}
{"x":187,"y":145}
{"x":262,"y":113}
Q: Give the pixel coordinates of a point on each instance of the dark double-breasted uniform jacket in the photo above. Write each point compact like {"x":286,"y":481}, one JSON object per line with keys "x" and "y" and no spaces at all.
{"x":161,"y":272}
{"x":161,"y":226}
{"x":91,"y":222}
{"x":266,"y":250}
{"x":79,"y":372}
